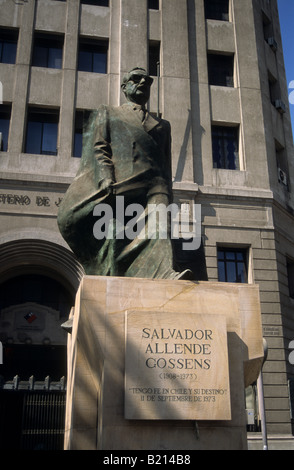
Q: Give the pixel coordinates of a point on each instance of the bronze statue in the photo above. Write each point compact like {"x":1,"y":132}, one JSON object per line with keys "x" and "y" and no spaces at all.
{"x":126,"y":152}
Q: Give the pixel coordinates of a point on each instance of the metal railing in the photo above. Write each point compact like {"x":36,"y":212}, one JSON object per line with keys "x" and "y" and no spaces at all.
{"x":32,"y":414}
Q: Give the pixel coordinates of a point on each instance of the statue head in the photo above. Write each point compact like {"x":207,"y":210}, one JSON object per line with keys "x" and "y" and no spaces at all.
{"x":136,"y":86}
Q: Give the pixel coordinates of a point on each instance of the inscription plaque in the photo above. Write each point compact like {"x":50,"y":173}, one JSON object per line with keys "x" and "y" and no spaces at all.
{"x":176,"y":367}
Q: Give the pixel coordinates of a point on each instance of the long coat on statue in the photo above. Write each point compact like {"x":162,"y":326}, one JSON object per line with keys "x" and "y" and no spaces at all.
{"x":123,"y":155}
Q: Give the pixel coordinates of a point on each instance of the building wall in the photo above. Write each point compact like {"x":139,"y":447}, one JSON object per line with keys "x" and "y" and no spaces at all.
{"x":247,"y":207}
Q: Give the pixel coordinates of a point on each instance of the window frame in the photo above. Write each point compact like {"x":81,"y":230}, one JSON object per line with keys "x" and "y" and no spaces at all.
{"x":212,"y":12}
{"x":233,"y":250}
{"x":282,"y":166}
{"x":46,"y":43}
{"x":85,"y":46}
{"x":5,"y":109}
{"x":41,"y":116}
{"x":221,"y":69}
{"x":221,"y":132}
{"x":98,"y":3}
{"x":154,"y":51}
{"x":153,"y":5}
{"x":8,"y":37}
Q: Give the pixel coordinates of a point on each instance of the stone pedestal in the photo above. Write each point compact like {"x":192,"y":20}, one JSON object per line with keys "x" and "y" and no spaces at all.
{"x":161,"y":364}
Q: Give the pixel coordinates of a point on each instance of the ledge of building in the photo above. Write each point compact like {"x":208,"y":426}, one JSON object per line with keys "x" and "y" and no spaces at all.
{"x":23,"y":179}
{"x":275,"y":441}
{"x":185,"y":186}
{"x":237,"y":192}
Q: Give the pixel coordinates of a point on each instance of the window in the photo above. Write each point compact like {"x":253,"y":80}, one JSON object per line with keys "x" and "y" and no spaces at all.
{"x":290,"y":272}
{"x":274,"y":88}
{"x":101,"y":3}
{"x":5,"y":112}
{"x":93,"y":56}
{"x":232,"y":265}
{"x":220,"y":69}
{"x":267,"y":27}
{"x":153,"y":4}
{"x":47,"y":51}
{"x":268,"y":32}
{"x":282,"y":165}
{"x":80,"y":121}
{"x":217,"y":10}
{"x":8,"y":46}
{"x":154,"y":57}
{"x":275,"y":94}
{"x":225,"y":147}
{"x":42,"y":129}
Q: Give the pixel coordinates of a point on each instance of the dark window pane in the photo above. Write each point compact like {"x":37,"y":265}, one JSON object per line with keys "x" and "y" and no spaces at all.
{"x":99,"y":62}
{"x":8,"y":53}
{"x":221,"y":271}
{"x":217,"y":10}
{"x":232,"y":265}
{"x":85,"y":61}
{"x":47,"y":51}
{"x":34,"y":137}
{"x":225,"y":147}
{"x":102,"y":3}
{"x":49,"y":138}
{"x":231,"y":272}
{"x":8,"y":46}
{"x":55,"y":58}
{"x":42,"y":129}
{"x":78,"y":144}
{"x":93,"y":57}
{"x":40,"y":56}
{"x":241,"y":272}
{"x":220,"y":255}
{"x":5,"y":113}
{"x":220,"y":70}
{"x":153,"y":4}
{"x":4,"y":130}
{"x":154,"y":57}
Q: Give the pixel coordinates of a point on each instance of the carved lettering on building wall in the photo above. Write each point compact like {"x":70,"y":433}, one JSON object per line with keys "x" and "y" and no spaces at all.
{"x":15,"y":199}
{"x":32,"y":200}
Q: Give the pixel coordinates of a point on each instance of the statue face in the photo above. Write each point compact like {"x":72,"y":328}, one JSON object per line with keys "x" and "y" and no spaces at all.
{"x":137,"y":88}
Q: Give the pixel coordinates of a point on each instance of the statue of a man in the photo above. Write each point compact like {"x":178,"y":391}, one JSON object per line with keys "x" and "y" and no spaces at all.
{"x":126,"y":152}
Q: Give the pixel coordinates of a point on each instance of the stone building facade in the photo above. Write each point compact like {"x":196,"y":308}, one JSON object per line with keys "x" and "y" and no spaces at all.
{"x":222,"y":86}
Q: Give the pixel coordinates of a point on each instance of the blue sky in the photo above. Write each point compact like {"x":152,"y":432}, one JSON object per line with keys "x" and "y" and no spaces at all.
{"x":286,"y":13}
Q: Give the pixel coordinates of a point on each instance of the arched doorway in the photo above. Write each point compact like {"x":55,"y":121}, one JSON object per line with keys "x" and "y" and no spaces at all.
{"x":32,"y":309}
{"x":37,"y":293}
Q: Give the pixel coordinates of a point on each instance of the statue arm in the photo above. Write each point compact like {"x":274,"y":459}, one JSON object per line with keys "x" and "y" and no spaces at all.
{"x":104,"y":168}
